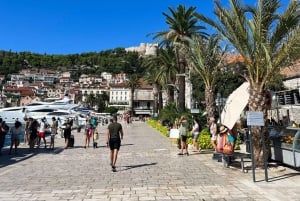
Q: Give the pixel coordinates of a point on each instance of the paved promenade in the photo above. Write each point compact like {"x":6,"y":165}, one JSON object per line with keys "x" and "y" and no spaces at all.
{"x":147,"y":169}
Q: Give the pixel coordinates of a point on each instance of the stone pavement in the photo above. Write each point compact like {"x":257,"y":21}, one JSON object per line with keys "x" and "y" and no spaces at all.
{"x":148,"y":168}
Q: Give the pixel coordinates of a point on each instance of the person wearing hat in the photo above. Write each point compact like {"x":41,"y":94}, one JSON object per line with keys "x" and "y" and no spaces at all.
{"x":225,"y":141}
{"x":213,"y":132}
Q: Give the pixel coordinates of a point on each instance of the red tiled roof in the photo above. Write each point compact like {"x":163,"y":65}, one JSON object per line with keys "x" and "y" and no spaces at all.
{"x":145,"y":85}
{"x":293,"y":70}
{"x":19,"y":89}
{"x":234,"y":58}
{"x":119,"y":85}
{"x":26,"y":93}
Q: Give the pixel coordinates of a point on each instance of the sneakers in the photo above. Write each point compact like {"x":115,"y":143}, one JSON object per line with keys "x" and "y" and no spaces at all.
{"x":180,"y":154}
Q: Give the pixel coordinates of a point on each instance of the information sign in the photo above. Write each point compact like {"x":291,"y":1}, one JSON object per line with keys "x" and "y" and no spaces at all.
{"x":255,"y":119}
{"x":174,"y":133}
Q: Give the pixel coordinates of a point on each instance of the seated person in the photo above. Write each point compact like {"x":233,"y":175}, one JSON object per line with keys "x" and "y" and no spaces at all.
{"x":225,"y":141}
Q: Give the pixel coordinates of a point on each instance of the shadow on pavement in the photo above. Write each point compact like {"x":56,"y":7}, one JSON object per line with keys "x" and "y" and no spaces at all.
{"x":128,"y":167}
{"x":126,"y":144}
{"x":281,"y":177}
{"x":22,"y":154}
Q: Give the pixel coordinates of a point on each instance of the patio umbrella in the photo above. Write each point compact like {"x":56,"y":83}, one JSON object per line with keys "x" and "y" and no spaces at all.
{"x":235,"y":104}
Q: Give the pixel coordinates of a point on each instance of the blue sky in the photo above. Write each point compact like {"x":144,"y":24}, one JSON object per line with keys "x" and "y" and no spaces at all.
{"x":77,"y":26}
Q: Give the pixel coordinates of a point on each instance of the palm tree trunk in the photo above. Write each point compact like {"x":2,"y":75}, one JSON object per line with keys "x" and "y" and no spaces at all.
{"x":132,"y":102}
{"x":258,"y":102}
{"x":170,"y":94}
{"x":160,"y":100}
{"x":181,"y":86}
{"x":155,"y":94}
{"x":210,"y":102}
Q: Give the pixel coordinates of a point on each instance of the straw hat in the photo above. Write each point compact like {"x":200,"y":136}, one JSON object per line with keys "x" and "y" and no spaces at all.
{"x":223,"y":129}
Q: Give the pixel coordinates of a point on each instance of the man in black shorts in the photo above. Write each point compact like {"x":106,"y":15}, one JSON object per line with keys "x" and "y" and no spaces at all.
{"x":114,"y":136}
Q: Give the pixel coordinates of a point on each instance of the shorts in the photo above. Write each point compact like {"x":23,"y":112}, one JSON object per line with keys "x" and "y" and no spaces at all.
{"x":67,"y":135}
{"x":183,"y":138}
{"x":33,"y":135}
{"x":195,"y":136}
{"x":15,"y":137}
{"x":42,"y":134}
{"x":213,"y":137}
{"x":114,"y":144}
{"x":27,"y":131}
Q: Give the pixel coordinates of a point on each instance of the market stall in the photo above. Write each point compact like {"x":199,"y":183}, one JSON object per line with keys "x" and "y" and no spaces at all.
{"x":285,"y":145}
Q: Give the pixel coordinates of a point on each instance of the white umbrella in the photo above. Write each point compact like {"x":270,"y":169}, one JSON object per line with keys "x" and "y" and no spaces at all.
{"x":235,"y":105}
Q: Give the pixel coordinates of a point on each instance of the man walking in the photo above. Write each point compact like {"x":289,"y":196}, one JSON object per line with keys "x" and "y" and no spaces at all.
{"x":114,"y":135}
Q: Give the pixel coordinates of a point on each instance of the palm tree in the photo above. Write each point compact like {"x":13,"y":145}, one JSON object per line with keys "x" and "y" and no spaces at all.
{"x":182,"y":24}
{"x":150,"y":78}
{"x":163,"y":70}
{"x":90,"y":100}
{"x":205,"y":57}
{"x":133,"y":83}
{"x":266,"y":39}
{"x":101,"y":101}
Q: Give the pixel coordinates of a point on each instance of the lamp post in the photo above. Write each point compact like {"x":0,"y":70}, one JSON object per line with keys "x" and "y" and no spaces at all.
{"x":218,"y":101}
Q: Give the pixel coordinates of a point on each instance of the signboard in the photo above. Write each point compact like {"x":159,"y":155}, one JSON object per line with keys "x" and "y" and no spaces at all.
{"x":195,"y":111}
{"x":174,"y":133}
{"x":255,"y":119}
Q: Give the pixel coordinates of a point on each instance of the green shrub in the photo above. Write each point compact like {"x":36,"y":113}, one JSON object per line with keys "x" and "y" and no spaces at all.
{"x":158,"y":126}
{"x":203,"y":140}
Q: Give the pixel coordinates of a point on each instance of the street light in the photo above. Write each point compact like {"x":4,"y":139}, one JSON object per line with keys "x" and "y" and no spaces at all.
{"x":175,"y":87}
{"x":218,"y":102}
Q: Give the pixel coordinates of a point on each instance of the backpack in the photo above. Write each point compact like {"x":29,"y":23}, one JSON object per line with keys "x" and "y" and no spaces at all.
{"x":4,"y":128}
{"x":34,"y":125}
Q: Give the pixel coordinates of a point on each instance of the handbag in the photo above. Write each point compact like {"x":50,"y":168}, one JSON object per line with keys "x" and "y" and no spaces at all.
{"x":96,"y":136}
{"x":228,"y":148}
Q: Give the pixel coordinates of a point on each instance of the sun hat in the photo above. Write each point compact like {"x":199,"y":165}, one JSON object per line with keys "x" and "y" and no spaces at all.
{"x":223,"y":129}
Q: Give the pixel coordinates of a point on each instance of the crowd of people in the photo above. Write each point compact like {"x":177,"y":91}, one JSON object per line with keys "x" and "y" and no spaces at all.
{"x":222,"y":138}
{"x":35,"y":132}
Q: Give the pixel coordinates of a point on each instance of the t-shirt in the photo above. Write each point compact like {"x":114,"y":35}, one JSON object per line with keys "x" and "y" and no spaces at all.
{"x":196,"y":128}
{"x":16,"y":132}
{"x":94,"y":122}
{"x":212,"y":129}
{"x":42,"y":127}
{"x":183,"y":128}
{"x":114,"y":130}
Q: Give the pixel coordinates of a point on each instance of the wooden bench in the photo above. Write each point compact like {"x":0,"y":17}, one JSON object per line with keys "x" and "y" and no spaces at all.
{"x":227,"y":159}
